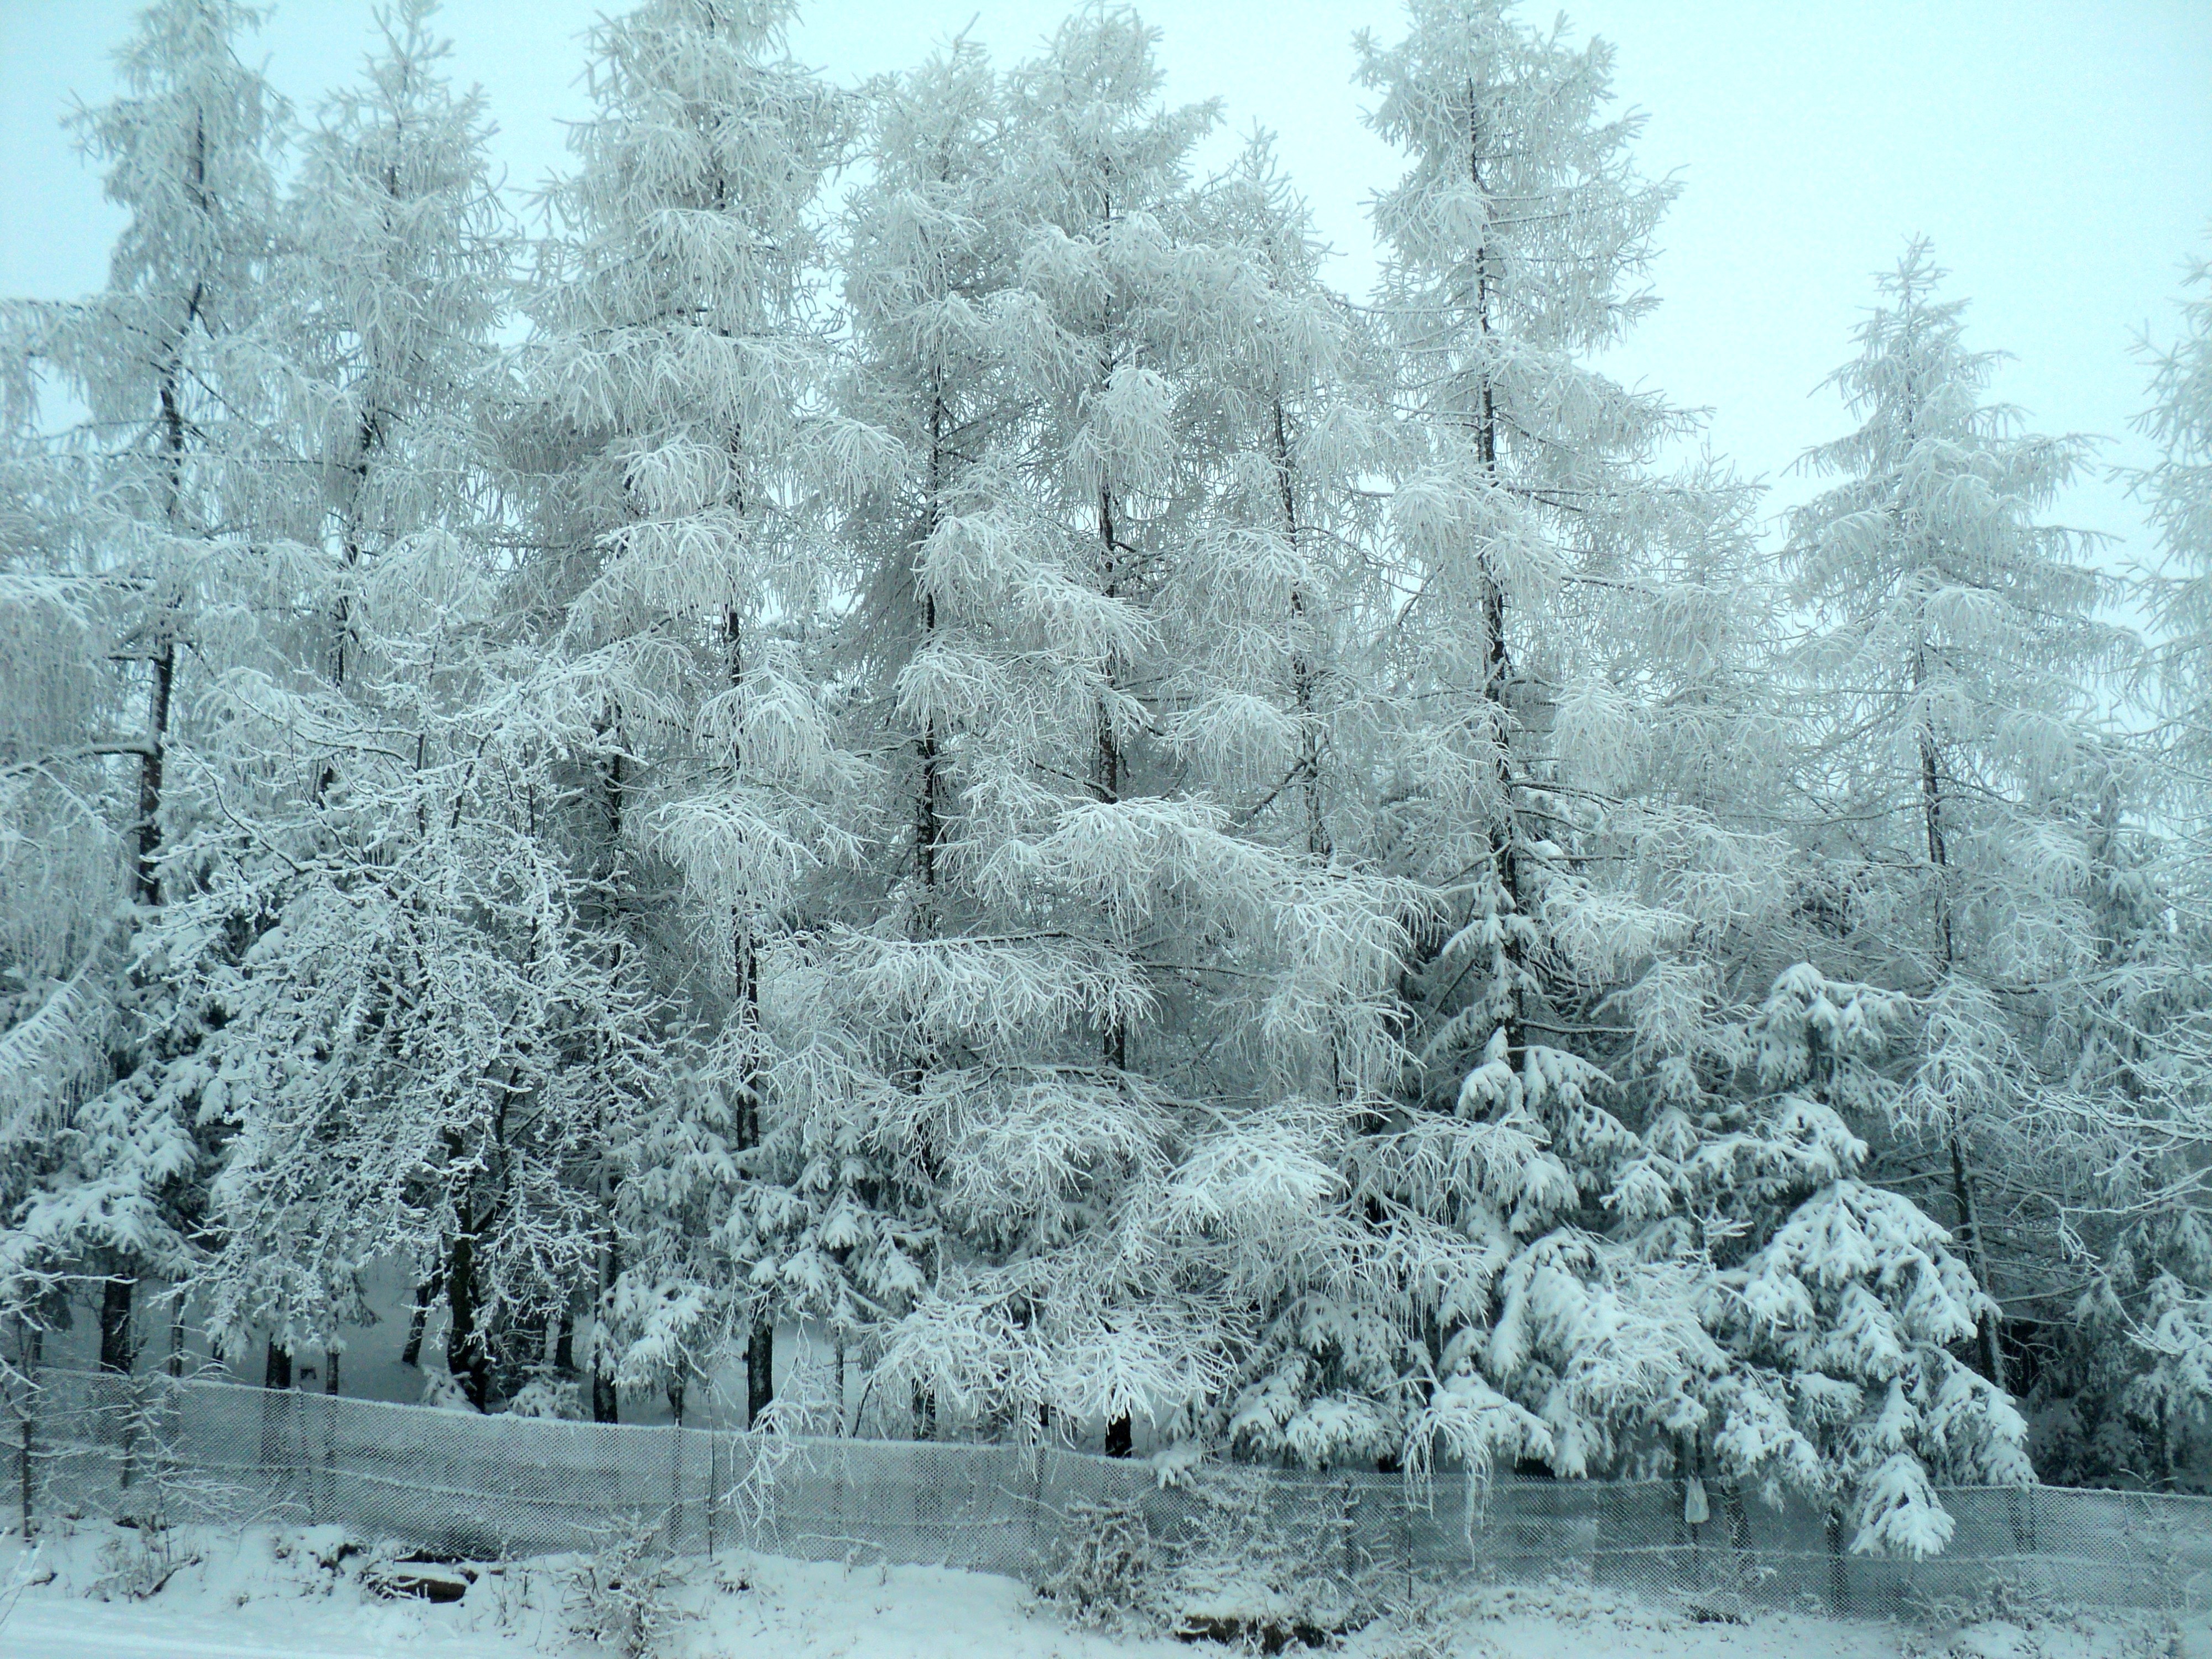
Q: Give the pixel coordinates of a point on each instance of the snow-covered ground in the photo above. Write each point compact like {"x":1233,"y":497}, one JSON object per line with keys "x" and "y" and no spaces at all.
{"x":269,"y":1595}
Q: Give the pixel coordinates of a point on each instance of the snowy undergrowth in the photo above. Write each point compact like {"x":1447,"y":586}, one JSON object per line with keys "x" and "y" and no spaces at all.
{"x":318,"y":1594}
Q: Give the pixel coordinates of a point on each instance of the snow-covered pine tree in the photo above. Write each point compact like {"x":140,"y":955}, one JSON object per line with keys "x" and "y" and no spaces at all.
{"x":2178,"y":490}
{"x":2123,"y":1388}
{"x":1838,"y":1303}
{"x":849,"y":1228}
{"x":1032,"y":1117}
{"x":1277,"y":635}
{"x":389,"y":1006}
{"x":1948,"y":672}
{"x":2170,"y":1403}
{"x":1092,"y":1056}
{"x":164,"y":550}
{"x":671,"y":456}
{"x":1568,"y":660}
{"x":64,"y":813}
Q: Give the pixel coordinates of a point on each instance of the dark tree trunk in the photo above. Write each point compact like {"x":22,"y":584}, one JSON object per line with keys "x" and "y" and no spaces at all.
{"x":329,"y":1370}
{"x":145,"y":872}
{"x":277,"y":1372}
{"x":115,"y":1353}
{"x":425,"y":1293}
{"x":606,"y":1405}
{"x":1106,"y":765}
{"x":1969,"y":1234}
{"x":1962,"y":1190}
{"x":925,"y":1413}
{"x":1839,"y":1587}
{"x":466,"y":1356}
{"x":606,"y":1408}
{"x":1120,"y":1438}
{"x":564,"y":1342}
{"x":760,"y":1372}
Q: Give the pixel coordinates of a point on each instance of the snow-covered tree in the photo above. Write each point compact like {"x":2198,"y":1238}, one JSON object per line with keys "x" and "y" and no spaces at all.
{"x":1831,"y":1307}
{"x":988,"y":766}
{"x":2123,"y":1388}
{"x":401,"y":928}
{"x":670,"y":459}
{"x":1949,"y":671}
{"x":1552,"y":683}
{"x":2179,"y":489}
{"x":847,"y":1229}
{"x":159,"y":546}
{"x":1109,"y":975}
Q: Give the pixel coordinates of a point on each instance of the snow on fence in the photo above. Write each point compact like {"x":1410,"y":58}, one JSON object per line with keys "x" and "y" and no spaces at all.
{"x":455,"y":1485}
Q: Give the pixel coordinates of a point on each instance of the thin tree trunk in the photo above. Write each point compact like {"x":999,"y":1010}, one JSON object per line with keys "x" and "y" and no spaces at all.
{"x":329,"y":1370}
{"x":276,"y":1369}
{"x":760,"y":1372}
{"x":1962,"y":1191}
{"x":466,"y":1355}
{"x":1839,"y":1589}
{"x":744,"y":967}
{"x":1496,"y":663}
{"x":1318,"y":843}
{"x":117,"y":1353}
{"x":1969,"y":1234}
{"x":925,"y":1413}
{"x":1302,"y":664}
{"x":425,"y":1292}
{"x":30,"y":1343}
{"x":928,"y":830}
{"x":1106,"y":774}
{"x":606,"y":1404}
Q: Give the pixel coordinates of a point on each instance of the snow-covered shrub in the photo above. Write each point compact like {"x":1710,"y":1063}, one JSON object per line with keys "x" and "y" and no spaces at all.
{"x":544,"y":1397}
{"x":140,"y":1558}
{"x":1247,"y":1560}
{"x":443,"y":1391}
{"x":1107,"y":1566}
{"x":621,"y":1595}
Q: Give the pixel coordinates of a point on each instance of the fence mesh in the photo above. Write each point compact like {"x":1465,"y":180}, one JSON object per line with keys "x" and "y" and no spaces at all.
{"x":459,"y":1485}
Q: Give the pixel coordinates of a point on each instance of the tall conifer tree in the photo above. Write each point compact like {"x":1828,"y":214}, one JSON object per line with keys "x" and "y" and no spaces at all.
{"x":167,"y":549}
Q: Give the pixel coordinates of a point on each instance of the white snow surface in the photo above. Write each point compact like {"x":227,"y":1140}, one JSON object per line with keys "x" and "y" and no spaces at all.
{"x":265,"y":1593}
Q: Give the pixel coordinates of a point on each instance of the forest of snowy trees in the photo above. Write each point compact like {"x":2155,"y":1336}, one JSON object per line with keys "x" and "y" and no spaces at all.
{"x":884,"y":717}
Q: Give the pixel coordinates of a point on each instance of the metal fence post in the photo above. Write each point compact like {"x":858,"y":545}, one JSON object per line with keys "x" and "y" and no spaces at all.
{"x":714,"y":1480}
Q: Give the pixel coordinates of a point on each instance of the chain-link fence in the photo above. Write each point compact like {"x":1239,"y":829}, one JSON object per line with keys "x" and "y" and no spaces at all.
{"x":458,"y":1485}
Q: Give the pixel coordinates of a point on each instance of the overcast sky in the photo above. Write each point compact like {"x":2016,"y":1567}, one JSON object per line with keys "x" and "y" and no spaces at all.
{"x":2059,"y":155}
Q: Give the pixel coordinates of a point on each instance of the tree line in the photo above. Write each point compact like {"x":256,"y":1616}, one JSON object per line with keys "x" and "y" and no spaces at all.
{"x":901,"y":721}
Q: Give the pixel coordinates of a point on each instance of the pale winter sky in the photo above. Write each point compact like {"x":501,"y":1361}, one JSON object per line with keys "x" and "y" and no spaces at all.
{"x":2058,"y":153}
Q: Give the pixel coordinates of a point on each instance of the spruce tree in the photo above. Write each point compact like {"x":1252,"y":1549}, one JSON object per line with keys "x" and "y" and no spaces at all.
{"x":1563,"y":675}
